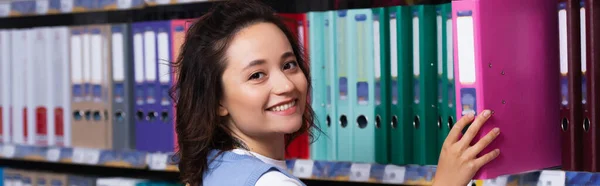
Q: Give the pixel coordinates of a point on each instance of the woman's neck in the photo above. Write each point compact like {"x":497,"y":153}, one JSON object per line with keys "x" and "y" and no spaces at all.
{"x":272,"y":146}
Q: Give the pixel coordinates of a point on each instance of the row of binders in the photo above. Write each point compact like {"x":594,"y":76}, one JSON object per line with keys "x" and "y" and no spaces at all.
{"x":95,"y":86}
{"x":397,"y":78}
{"x":13,"y":177}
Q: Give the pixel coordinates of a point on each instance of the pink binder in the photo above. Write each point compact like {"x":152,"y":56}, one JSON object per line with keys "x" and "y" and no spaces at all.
{"x":506,"y":60}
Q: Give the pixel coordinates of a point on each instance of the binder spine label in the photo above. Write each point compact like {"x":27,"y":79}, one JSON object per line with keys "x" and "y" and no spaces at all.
{"x":41,"y":126}
{"x":440,"y":69}
{"x":96,"y":65}
{"x":118,"y":67}
{"x":394,"y":58}
{"x":362,"y":84}
{"x":564,"y":65}
{"x":76,"y":67}
{"x":341,"y":56}
{"x":59,"y":124}
{"x":377,"y":59}
{"x":138,"y":48}
{"x":583,"y":54}
{"x":328,"y":61}
{"x":150,"y":65}
{"x":164,"y":68}
{"x":466,"y":62}
{"x":450,"y":63}
{"x":416,"y":58}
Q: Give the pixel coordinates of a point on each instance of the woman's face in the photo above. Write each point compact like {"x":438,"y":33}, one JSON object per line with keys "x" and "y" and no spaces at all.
{"x":264,"y":87}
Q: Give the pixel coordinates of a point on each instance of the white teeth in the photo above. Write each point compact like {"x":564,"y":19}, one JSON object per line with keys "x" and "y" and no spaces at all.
{"x":284,"y":107}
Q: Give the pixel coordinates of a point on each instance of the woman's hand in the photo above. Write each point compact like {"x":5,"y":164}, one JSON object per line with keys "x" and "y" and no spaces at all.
{"x":458,"y":161}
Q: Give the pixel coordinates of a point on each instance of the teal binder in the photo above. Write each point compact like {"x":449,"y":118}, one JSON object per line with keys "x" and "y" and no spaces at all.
{"x":381,"y":39}
{"x":449,"y":71}
{"x":401,"y":85}
{"x":344,"y":108}
{"x":425,"y":85}
{"x":445,"y":90}
{"x":362,"y":84}
{"x":318,"y":149}
{"x":332,"y":87}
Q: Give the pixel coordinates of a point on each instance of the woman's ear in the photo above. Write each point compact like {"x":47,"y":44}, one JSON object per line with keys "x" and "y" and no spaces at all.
{"x":223,"y":111}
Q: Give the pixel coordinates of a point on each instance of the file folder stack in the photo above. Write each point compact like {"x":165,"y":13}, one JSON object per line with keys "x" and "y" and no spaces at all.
{"x":513,"y":73}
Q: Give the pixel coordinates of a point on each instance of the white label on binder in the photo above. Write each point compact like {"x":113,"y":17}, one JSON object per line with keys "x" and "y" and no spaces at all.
{"x":96,"y":59}
{"x":466,"y":49}
{"x":562,"y":30}
{"x":53,"y":154}
{"x":66,"y":6}
{"x":164,"y":61}
{"x":394,"y":174}
{"x":439,"y":45}
{"x":138,"y":51}
{"x":416,"y":47}
{"x":393,"y":47}
{"x":583,"y":41}
{"x":86,"y":58}
{"x":8,"y":151}
{"x":360,"y":172}
{"x":449,"y":50}
{"x":376,"y":51}
{"x":552,"y":178}
{"x":118,"y":57}
{"x":150,"y":55}
{"x":41,"y":6}
{"x":76,"y":59}
{"x":303,"y":168}
{"x":158,"y":161}
{"x":4,"y":9}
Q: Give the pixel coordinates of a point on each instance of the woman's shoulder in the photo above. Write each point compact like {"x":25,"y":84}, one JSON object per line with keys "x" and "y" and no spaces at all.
{"x":228,"y":168}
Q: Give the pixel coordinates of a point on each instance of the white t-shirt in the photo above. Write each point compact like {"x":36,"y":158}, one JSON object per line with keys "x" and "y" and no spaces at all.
{"x":273,"y":177}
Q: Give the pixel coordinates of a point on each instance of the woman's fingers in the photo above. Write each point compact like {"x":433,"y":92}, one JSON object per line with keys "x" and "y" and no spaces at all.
{"x":474,"y":128}
{"x":482,"y":143}
{"x":479,"y":162}
{"x":456,"y":130}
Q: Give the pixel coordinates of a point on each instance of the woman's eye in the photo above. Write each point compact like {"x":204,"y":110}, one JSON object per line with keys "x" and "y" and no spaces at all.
{"x":257,"y":75}
{"x":290,"y":65}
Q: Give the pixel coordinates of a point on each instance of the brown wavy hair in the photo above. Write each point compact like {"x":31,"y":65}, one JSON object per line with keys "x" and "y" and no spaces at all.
{"x":199,"y":88}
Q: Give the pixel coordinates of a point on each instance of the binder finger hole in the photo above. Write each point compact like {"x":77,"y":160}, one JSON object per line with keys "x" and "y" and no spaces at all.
{"x":328,"y":121}
{"x":88,"y":115}
{"x":343,"y":121}
{"x":450,"y":122}
{"x":394,"y":122}
{"x":362,"y":121}
{"x":119,"y":116}
{"x":416,"y":122}
{"x":378,"y":121}
{"x":564,"y":124}
{"x":77,"y":115}
{"x":152,"y":116}
{"x":139,"y":115}
{"x":586,"y":124}
{"x":97,"y":116}
{"x":439,"y":122}
{"x":164,"y":116}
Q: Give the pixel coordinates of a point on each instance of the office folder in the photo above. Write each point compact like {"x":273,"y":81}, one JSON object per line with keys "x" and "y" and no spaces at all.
{"x":297,"y":24}
{"x":401,"y":85}
{"x":319,"y":93}
{"x":122,"y":86}
{"x":425,"y":85}
{"x":444,"y":72}
{"x":491,"y":65}
{"x":5,"y":85}
{"x":165,"y":110}
{"x":591,"y":63}
{"x":61,"y":87}
{"x":447,"y":9}
{"x":46,"y":89}
{"x":77,"y":85}
{"x":381,"y":57}
{"x":31,"y":96}
{"x":139,"y":87}
{"x":570,"y":83}
{"x":329,"y":42}
{"x":344,"y":119}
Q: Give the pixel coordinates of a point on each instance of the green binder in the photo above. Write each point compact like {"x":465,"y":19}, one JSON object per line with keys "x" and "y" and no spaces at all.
{"x":425,"y":85}
{"x":318,"y":149}
{"x":382,"y":83}
{"x":401,"y":89}
{"x":332,"y":87}
{"x":445,"y":72}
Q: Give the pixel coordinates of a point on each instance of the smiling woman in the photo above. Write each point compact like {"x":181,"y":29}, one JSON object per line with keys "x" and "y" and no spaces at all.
{"x":242,"y":95}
